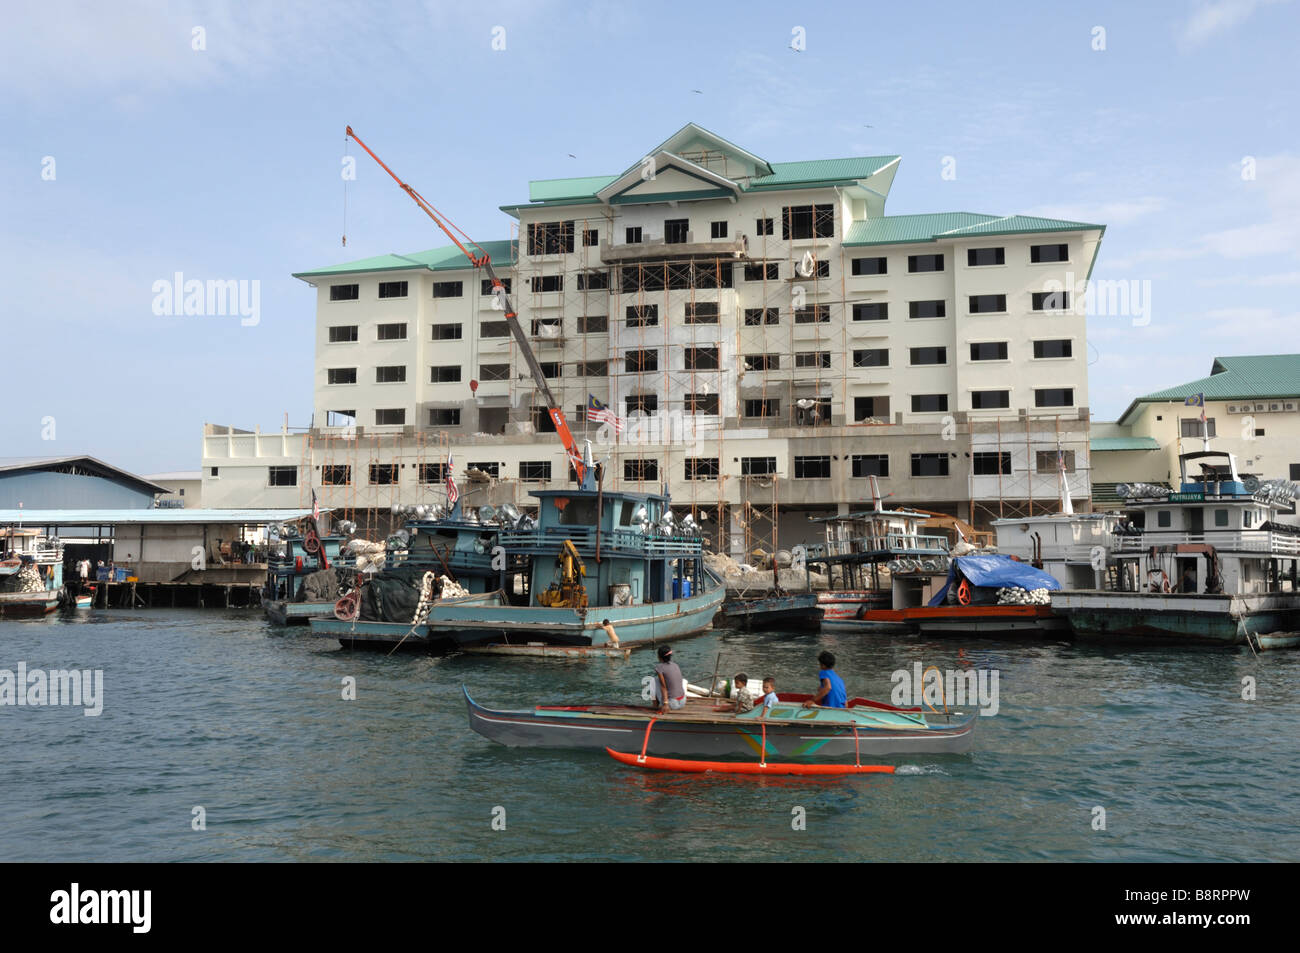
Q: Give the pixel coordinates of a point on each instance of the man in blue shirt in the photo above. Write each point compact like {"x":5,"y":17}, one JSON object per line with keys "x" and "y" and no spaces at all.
{"x":831,"y":694}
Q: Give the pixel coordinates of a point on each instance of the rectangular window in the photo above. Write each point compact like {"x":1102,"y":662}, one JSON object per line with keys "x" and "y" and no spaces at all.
{"x":701,"y":468}
{"x":282,"y":476}
{"x":593,"y":324}
{"x":486,"y":286}
{"x":391,"y":332}
{"x":340,"y":418}
{"x":808,"y":221}
{"x":1220,"y":517}
{"x":343,"y":334}
{"x":916,"y":264}
{"x":638,"y":362}
{"x":550,"y":369}
{"x":870,"y":266}
{"x":763,"y":407}
{"x":929,"y":464}
{"x":494,"y":329}
{"x":757,"y":466}
{"x":1164,"y":519}
{"x":919,"y":356}
{"x":1294,"y":469}
{"x":341,"y":375}
{"x":550,"y":238}
{"x":542,"y":283}
{"x":550,"y":329}
{"x":812,"y":468}
{"x":756,"y":317}
{"x":444,"y":416}
{"x":702,"y":312}
{"x":812,"y":359}
{"x":448,"y":289}
{"x":1056,"y":348}
{"x":870,"y":464}
{"x":991,"y":463}
{"x":763,"y":271}
{"x":1045,"y":461}
{"x":641,"y":403}
{"x":391,"y":374}
{"x":633,"y":236}
{"x":491,"y":468}
{"x":444,"y":374}
{"x":590,"y":237}
{"x":701,"y":404}
{"x":1054,"y":397}
{"x":594,"y":368}
{"x":345,"y":292}
{"x":701,"y":358}
{"x":446,"y":332}
{"x":433,"y":473}
{"x":927,"y":309}
{"x":988,"y":351}
{"x":977,"y":257}
{"x":813,"y":314}
{"x":988,"y":304}
{"x":929,"y":403}
{"x":878,"y":311}
{"x":1050,"y":300}
{"x":535,"y":471}
{"x":871,"y":408}
{"x":762,"y":362}
{"x":1046,"y":253}
{"x":676,"y":230}
{"x":1191,"y":426}
{"x":593,"y":280}
{"x":392,"y":289}
{"x":763,"y":226}
{"x":335,"y":475}
{"x":640,"y":470}
{"x":990,"y":399}
{"x":642,"y":316}
{"x":390,"y":417}
{"x":383,"y":474}
{"x":493,"y":372}
{"x":717,"y":229}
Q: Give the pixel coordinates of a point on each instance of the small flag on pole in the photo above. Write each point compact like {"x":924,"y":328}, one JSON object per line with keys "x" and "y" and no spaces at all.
{"x":452,"y":493}
{"x":601,"y":414}
{"x":315,"y":507}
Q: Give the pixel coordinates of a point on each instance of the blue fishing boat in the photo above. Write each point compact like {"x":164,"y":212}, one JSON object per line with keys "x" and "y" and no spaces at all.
{"x":31,"y":573}
{"x":305,"y":575}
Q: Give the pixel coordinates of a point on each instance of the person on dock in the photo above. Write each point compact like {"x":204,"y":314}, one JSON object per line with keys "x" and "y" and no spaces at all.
{"x":670,"y":687}
{"x":741,"y":699}
{"x":832,"y":693}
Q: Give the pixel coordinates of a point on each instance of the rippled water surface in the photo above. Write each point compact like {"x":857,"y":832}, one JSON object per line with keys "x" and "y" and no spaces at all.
{"x":223,"y":711}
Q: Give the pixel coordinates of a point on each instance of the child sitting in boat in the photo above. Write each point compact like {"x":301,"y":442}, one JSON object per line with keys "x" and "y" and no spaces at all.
{"x":741,"y":699}
{"x":769,"y":694}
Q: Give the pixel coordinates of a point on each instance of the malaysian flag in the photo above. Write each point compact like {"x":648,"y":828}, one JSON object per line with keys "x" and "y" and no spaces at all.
{"x":598,"y":412}
{"x":452,"y":493}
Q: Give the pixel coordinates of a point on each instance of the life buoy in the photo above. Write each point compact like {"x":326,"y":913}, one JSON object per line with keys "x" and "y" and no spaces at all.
{"x":963,"y":593}
{"x":311,"y":543}
{"x":346,"y":609}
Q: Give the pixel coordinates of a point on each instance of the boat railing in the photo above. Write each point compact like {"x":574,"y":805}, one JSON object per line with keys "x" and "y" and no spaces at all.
{"x":1225,"y":541}
{"x":620,"y":541}
{"x":901,"y":543}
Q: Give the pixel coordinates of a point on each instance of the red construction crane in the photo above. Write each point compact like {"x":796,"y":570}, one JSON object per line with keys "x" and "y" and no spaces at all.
{"x":484,"y":261}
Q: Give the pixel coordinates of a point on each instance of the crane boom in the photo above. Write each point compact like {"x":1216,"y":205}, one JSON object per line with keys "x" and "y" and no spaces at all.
{"x":483,"y":260}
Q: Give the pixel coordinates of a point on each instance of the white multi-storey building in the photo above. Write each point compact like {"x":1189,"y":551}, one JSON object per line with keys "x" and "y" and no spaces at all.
{"x":756,"y":320}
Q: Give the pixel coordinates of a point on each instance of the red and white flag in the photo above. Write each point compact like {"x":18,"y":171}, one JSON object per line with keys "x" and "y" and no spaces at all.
{"x":452,"y":493}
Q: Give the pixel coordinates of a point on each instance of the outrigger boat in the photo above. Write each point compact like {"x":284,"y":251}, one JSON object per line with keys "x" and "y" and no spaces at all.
{"x":789,"y":731}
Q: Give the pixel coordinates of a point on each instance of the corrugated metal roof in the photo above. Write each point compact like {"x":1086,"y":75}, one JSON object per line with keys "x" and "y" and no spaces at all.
{"x":1252,"y":377}
{"x":1123,"y":443}
{"x":787,"y":174}
{"x":903,"y":229}
{"x":111,"y":517}
{"x":107,"y":470}
{"x":551,"y":190}
{"x":445,"y":258}
{"x":1016,"y":224}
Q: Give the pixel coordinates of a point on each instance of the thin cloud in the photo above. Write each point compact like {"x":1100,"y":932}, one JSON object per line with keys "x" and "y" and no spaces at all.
{"x":1211,"y":19}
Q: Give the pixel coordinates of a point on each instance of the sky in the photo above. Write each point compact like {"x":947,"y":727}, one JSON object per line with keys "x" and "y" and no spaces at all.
{"x":147,"y":139}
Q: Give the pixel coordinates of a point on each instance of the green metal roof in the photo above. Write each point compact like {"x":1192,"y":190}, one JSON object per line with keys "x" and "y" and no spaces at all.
{"x":1250,"y":377}
{"x":551,"y":190}
{"x":446,"y":258}
{"x":787,"y":175}
{"x":1123,"y":443}
{"x":904,"y":229}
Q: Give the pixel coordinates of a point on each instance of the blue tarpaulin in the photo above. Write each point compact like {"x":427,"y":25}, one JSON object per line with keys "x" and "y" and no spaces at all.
{"x":995,"y":571}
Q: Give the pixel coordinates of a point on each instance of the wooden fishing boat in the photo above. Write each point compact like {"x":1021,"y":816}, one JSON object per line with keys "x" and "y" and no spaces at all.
{"x":789,"y":731}
{"x":797,"y":610}
{"x":31,"y":581}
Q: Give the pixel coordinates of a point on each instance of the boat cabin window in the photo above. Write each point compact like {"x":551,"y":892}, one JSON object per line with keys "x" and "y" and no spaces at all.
{"x":1220,"y":517}
{"x":1163,"y":518}
{"x":579,"y":513}
{"x":629,"y":513}
{"x":1246,"y":520}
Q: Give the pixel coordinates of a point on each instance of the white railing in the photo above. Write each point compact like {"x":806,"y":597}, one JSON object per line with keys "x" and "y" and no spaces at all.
{"x":1228,"y":541}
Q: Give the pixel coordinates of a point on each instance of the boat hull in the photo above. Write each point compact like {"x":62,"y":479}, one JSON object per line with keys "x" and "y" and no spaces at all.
{"x":28,"y":605}
{"x":1178,"y":618}
{"x":676,"y":736}
{"x":280,"y":612}
{"x":798,"y":611}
